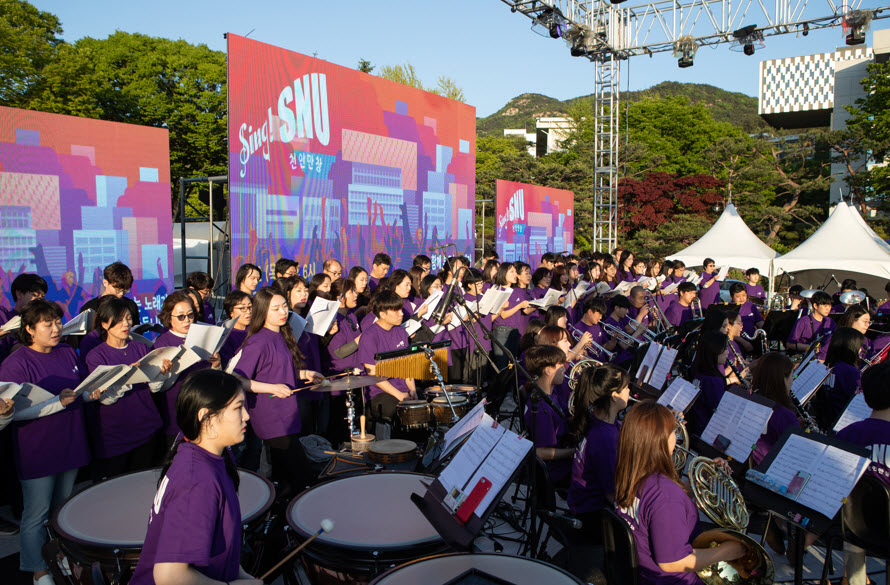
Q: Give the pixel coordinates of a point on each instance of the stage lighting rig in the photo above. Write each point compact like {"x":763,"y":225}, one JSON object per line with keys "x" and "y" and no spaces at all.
{"x":684,"y":51}
{"x":747,"y":40}
{"x":550,"y":23}
{"x":856,"y":22}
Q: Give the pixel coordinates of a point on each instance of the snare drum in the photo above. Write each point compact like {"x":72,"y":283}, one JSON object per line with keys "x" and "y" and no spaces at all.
{"x":107,"y":522}
{"x":471,"y":393}
{"x":414,"y":414}
{"x":376,"y":526}
{"x":442,"y":412}
{"x":444,"y":569}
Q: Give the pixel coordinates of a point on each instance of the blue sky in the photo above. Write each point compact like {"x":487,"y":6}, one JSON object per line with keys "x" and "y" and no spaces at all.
{"x":490,"y":52}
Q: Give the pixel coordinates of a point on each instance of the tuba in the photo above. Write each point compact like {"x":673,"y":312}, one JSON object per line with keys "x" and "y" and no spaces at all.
{"x":574,"y":376}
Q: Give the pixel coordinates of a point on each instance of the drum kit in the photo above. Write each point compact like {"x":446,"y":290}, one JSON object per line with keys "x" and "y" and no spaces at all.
{"x":436,"y":409}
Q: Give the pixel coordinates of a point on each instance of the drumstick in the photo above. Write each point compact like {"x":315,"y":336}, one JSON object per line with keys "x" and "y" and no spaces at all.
{"x":326,"y":526}
{"x":362,"y":423}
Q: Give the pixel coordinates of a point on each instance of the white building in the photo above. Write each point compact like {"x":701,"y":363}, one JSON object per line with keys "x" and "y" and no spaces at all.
{"x":548,"y":136}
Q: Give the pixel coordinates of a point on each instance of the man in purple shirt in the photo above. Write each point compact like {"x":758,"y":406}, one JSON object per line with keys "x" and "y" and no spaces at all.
{"x":813,"y":325}
{"x":709,"y":287}
{"x":385,"y":334}
{"x":752,"y":287}
{"x":379,"y":268}
{"x":594,"y":311}
{"x":872,"y":433}
{"x":751,"y":318}
{"x":680,"y":311}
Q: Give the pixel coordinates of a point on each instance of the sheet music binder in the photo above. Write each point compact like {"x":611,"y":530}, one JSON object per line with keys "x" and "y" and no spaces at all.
{"x":787,"y":508}
{"x":456,"y":534}
{"x":756,"y":398}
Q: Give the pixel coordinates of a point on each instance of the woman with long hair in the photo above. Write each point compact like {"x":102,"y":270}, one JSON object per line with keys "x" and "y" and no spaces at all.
{"x":600,"y":394}
{"x":625,"y":267}
{"x":609,"y":273}
{"x":177,"y":315}
{"x":489,"y":272}
{"x":773,"y":374}
{"x":707,"y":369}
{"x":843,"y":358}
{"x":194,"y":525}
{"x":272,"y":362}
{"x":649,"y":495}
{"x":49,"y":439}
{"x":359,"y":276}
{"x":509,"y":322}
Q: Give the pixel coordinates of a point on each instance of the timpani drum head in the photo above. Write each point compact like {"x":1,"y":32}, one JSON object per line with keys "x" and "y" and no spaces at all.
{"x":443,"y":569}
{"x":372,"y":512}
{"x":114,"y":513}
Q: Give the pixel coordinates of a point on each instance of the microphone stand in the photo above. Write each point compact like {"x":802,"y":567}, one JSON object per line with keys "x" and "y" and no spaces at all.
{"x":537,"y":393}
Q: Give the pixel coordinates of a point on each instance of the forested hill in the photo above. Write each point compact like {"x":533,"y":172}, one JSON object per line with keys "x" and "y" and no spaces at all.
{"x":520,"y":112}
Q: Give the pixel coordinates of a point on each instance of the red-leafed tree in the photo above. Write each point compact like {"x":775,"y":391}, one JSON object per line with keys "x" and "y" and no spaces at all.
{"x":659,"y":197}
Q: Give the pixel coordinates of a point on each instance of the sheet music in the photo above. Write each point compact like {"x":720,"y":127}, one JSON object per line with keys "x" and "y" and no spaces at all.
{"x":465,"y":425}
{"x":493,"y":300}
{"x":321,"y":315}
{"x":662,"y":368}
{"x":722,"y":273}
{"x":29,"y":395}
{"x":833,"y":472}
{"x":80,"y":324}
{"x":625,"y":286}
{"x":499,"y":466}
{"x":805,"y":362}
{"x":297,"y":325}
{"x":461,"y":312}
{"x":457,"y":474}
{"x":150,"y":364}
{"x":649,"y":283}
{"x":12,"y":324}
{"x":805,"y":385}
{"x":581,"y":288}
{"x":740,"y":420}
{"x":857,"y":410}
{"x":550,"y":298}
{"x":8,"y":390}
{"x":649,"y":361}
{"x":431,"y":301}
{"x":205,"y":340}
{"x":603,"y":288}
{"x":695,"y":278}
{"x":411,"y":327}
{"x":102,"y":378}
{"x":671,"y":288}
{"x":679,"y":395}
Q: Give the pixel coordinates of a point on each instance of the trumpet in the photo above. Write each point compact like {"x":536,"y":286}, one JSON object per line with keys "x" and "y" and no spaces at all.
{"x":646,"y":332}
{"x":621,"y":335}
{"x":661,"y":321}
{"x":697,"y":313}
{"x":576,"y":335}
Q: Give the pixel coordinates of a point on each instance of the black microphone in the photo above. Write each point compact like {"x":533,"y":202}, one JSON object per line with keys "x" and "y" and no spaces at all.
{"x":835,"y":281}
{"x":548,"y":399}
{"x":434,"y":248}
{"x":442,"y":309}
{"x":573,"y":522}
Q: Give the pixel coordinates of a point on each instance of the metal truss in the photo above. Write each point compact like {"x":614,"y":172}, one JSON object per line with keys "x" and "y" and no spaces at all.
{"x":606,"y":33}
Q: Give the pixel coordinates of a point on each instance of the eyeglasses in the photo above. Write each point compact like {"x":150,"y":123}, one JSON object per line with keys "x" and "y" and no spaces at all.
{"x":243,"y":308}
{"x":121,"y":291}
{"x":184,"y":317}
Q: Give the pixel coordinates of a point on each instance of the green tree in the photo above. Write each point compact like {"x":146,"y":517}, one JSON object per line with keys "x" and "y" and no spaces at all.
{"x":365,"y":66}
{"x":407,"y":75}
{"x":29,"y":40}
{"x":150,"y":81}
{"x":505,"y":158}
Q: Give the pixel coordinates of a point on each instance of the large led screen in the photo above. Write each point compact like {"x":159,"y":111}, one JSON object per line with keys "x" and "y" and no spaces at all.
{"x":328,"y":162}
{"x":532,"y":220}
{"x":78,"y":194}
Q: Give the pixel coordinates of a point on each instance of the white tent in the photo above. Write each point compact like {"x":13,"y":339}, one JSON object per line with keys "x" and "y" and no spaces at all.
{"x":844,"y":243}
{"x":729,"y":241}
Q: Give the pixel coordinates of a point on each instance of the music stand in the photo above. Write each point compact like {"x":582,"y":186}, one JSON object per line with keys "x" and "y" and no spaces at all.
{"x":800,"y":516}
{"x":779,"y":324}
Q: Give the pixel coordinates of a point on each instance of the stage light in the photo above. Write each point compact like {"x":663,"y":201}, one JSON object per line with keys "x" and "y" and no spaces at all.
{"x":747,"y":40}
{"x":856,"y":22}
{"x":684,"y":51}
{"x":806,"y":28}
{"x":550,"y":23}
{"x":580,"y":41}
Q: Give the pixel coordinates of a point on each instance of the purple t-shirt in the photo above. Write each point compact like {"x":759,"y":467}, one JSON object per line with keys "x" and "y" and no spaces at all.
{"x":347,"y":331}
{"x":310,"y":347}
{"x":375,"y":339}
{"x":209,"y":314}
{"x":195,"y":519}
{"x":132,"y":420}
{"x":807,"y":329}
{"x":885,"y":308}
{"x":486,"y":321}
{"x":623,"y":354}
{"x":677,"y":314}
{"x":599,"y":336}
{"x":593,"y":467}
{"x":781,"y":419}
{"x":664,"y":521}
{"x":750,"y":317}
{"x":634,"y":313}
{"x":168,"y":413}
{"x":88,"y":342}
{"x":265,"y":357}
{"x":708,"y":295}
{"x":874,"y":435}
{"x":51,"y":444}
{"x":711,"y":392}
{"x":843,"y":383}
{"x":549,"y":430}
{"x":755,"y":290}
{"x":232,"y":346}
{"x":372,"y":283}
{"x":517,"y":320}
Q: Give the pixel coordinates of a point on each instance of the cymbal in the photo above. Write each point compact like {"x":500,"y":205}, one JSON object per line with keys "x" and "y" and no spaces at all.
{"x":345,"y":383}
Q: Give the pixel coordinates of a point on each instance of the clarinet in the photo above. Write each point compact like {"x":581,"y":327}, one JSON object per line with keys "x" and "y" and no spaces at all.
{"x":808,"y":422}
{"x":742,"y":382}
